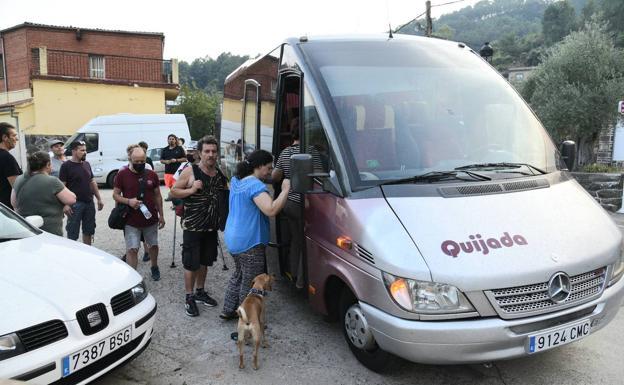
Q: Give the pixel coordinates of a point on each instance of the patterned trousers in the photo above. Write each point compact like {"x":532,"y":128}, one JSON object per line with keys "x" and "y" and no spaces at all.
{"x":248,"y":264}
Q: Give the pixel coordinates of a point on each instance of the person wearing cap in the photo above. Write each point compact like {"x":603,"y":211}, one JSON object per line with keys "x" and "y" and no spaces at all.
{"x":57,"y":147}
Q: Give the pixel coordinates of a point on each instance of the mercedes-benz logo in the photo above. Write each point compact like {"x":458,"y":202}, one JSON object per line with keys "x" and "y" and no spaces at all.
{"x":559,"y":287}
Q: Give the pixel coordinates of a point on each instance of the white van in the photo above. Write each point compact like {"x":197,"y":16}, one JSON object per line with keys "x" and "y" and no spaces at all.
{"x":108,"y":136}
{"x":444,"y":226}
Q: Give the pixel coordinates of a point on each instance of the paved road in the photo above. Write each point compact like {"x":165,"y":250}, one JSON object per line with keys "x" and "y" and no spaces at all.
{"x":306,"y":350}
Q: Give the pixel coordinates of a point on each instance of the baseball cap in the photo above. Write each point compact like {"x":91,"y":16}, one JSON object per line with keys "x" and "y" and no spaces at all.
{"x":56,"y":141}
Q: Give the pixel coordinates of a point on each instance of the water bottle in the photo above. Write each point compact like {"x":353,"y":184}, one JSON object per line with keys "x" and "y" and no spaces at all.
{"x":145,"y":211}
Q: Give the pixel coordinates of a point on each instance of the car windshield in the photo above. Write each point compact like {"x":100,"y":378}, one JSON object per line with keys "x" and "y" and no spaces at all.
{"x":408,"y":107}
{"x":12,"y":226}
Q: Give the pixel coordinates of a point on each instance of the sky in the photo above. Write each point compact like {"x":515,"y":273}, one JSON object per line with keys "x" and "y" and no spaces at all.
{"x":196,"y":28}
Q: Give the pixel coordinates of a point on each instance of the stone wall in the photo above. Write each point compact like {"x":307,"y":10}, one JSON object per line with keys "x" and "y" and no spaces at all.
{"x":605,"y":188}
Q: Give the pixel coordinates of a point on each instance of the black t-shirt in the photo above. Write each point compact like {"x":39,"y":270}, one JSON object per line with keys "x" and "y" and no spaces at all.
{"x":77,"y":178}
{"x":8,"y":168}
{"x":172,"y":153}
{"x":148,"y":160}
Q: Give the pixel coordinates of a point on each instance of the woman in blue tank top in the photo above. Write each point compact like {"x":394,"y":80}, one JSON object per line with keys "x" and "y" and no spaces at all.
{"x":247,"y":228}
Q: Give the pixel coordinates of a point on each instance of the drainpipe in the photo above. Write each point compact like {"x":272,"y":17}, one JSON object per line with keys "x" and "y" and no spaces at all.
{"x":6,"y":87}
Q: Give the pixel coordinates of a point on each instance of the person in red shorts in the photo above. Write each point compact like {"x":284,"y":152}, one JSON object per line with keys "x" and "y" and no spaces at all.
{"x":172,"y":156}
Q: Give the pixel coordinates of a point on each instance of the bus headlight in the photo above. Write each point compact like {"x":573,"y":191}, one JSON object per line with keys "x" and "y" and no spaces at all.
{"x":618,"y":268}
{"x":426,"y":297}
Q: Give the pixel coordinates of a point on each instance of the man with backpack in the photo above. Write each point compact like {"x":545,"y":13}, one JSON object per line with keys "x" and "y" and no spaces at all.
{"x":203,"y":190}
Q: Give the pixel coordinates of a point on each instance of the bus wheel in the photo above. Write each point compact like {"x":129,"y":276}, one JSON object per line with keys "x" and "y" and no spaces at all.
{"x":358,"y":334}
{"x":110,"y":179}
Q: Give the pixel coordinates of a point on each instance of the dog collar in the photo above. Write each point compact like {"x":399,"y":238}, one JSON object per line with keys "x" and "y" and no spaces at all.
{"x":259,"y":292}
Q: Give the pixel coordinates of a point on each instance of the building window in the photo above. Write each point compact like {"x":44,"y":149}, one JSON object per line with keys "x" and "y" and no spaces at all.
{"x":1,"y":66}
{"x":519,"y":76}
{"x":96,"y":66}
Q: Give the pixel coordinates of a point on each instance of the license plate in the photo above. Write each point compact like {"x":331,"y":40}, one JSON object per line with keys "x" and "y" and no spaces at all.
{"x":90,"y":354}
{"x":558,"y":337}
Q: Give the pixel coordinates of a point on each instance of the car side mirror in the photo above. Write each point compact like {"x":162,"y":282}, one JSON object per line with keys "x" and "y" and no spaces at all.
{"x":34,"y":220}
{"x":568,"y":153}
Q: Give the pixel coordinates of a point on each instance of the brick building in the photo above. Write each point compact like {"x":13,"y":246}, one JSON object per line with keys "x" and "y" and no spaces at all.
{"x":54,"y":79}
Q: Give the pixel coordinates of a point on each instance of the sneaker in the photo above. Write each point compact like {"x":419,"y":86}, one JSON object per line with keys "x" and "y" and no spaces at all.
{"x":146,"y":257}
{"x":202,"y":297}
{"x":191,"y":307}
{"x":155,"y":273}
{"x":228,"y":316}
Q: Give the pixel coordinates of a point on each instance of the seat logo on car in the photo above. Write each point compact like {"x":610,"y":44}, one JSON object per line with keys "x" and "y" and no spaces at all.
{"x":477,"y":244}
{"x":94,"y":318}
{"x":559,"y":287}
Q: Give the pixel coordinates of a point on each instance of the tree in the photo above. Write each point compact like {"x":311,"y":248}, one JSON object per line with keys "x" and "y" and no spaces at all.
{"x":613,"y":13}
{"x":575,"y":89}
{"x":558,"y":21}
{"x":200,"y":110}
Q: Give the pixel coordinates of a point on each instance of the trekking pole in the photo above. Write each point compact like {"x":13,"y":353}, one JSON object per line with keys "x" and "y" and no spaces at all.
{"x":175,"y":221}
{"x":222,"y":255}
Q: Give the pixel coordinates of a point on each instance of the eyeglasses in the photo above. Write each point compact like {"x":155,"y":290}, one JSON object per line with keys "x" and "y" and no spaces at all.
{"x":81,"y":142}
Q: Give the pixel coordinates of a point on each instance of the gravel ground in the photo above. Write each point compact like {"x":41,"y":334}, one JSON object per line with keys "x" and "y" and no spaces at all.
{"x":304,"y":349}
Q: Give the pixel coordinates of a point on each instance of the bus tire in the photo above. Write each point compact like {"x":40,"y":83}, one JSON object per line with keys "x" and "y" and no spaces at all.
{"x":359,"y":336}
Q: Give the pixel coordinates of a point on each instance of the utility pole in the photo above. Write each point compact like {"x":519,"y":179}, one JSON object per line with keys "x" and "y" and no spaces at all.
{"x":429,"y":29}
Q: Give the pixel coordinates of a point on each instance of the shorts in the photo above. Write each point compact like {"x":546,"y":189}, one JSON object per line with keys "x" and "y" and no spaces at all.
{"x":84,"y":212}
{"x":169,"y":180}
{"x":133,"y":235}
{"x":198,"y":248}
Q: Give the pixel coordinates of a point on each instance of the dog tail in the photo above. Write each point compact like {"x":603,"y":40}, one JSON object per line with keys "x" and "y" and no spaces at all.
{"x":242,"y":314}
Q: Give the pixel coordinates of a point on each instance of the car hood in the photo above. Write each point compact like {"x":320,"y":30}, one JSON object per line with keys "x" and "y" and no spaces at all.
{"x":529,"y":235}
{"x":47,"y":277}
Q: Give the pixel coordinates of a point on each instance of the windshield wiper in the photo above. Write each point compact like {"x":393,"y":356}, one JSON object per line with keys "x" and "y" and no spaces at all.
{"x":478,"y":166}
{"x":9,"y":239}
{"x":436,"y":176}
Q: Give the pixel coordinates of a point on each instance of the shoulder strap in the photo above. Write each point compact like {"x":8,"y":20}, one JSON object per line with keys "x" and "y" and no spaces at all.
{"x":142,"y":186}
{"x":197,"y":172}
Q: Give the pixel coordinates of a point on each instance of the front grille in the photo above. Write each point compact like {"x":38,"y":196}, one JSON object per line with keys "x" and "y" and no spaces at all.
{"x":522,"y":301}
{"x":122,"y":302}
{"x":43,"y":334}
{"x":83,"y":319}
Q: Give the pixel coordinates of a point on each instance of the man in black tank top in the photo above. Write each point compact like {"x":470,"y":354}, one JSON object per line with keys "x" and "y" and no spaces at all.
{"x":200,"y":186}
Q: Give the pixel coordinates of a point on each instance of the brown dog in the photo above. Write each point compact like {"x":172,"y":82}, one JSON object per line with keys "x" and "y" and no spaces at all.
{"x":251,"y":313}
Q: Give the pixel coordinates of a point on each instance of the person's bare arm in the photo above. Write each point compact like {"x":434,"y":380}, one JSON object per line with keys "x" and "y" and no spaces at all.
{"x":277,"y":175}
{"x":66,"y":197}
{"x":96,"y":192}
{"x":181,"y":189}
{"x":132,"y":202}
{"x":270,"y":207}
{"x":14,"y":199}
{"x":159,"y":206}
{"x":11,"y":179}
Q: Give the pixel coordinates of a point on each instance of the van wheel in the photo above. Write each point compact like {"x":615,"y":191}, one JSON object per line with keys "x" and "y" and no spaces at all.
{"x":110,"y":179}
{"x":358,"y":334}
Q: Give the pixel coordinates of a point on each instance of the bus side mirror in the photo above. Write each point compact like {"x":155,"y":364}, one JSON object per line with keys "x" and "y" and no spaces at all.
{"x":568,"y":153}
{"x":300,"y":170}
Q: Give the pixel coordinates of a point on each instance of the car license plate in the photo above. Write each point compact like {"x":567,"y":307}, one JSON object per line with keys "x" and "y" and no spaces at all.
{"x":558,"y":337}
{"x":90,"y":354}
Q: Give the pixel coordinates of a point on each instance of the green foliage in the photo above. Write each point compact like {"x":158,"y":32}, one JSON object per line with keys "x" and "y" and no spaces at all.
{"x":209,"y":74}
{"x":558,"y":21}
{"x":600,"y":168}
{"x":576,"y":88}
{"x":200,"y":109}
{"x":613,"y":13}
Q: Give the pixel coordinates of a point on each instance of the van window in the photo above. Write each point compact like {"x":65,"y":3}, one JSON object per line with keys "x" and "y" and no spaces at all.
{"x":91,"y":141}
{"x":405,"y":108}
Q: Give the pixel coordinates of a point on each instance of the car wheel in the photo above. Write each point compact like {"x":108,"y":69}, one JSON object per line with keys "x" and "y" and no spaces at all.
{"x":359,"y":336}
{"x":110,"y":179}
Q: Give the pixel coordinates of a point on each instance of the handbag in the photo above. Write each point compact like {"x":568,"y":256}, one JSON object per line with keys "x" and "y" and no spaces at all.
{"x":119,"y":214}
{"x":118,"y":217}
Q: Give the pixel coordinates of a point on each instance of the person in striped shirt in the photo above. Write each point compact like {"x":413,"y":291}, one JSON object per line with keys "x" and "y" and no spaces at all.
{"x":293,"y":209}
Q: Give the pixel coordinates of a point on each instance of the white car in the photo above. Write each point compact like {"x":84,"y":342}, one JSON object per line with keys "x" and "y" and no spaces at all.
{"x":68,"y":312}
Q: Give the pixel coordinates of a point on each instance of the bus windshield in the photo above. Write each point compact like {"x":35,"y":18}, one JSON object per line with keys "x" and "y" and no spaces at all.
{"x":413,"y":106}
